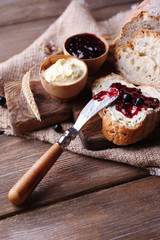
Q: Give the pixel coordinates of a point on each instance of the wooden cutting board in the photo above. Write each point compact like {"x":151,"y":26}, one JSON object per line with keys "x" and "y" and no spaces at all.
{"x":93,"y":139}
{"x":52,"y":111}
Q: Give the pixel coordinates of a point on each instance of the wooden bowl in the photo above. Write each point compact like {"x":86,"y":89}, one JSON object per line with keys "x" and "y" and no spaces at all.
{"x":63,"y":92}
{"x":93,"y":64}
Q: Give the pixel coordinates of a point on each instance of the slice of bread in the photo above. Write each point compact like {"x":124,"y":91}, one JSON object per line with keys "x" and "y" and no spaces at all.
{"x":145,"y":16}
{"x":120,"y":129}
{"x":139,"y":61}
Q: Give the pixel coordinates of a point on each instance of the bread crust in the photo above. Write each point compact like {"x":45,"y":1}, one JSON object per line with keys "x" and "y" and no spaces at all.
{"x":121,"y":134}
{"x":143,"y":9}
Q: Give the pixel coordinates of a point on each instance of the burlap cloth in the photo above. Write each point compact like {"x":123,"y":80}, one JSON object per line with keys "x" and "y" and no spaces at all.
{"x":75,"y":19}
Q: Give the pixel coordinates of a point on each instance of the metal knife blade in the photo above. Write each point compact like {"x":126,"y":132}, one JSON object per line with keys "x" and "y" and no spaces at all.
{"x":95,"y":105}
{"x":98,"y":102}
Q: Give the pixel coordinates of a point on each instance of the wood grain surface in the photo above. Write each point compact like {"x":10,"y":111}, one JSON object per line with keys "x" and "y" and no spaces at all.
{"x":23,"y":119}
{"x":71,"y":175}
{"x":81,"y":197}
{"x":13,"y":12}
{"x":124,"y":212}
{"x":19,"y":34}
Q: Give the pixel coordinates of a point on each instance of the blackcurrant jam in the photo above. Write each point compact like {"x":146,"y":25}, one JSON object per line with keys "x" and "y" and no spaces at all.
{"x":131,"y":100}
{"x":85,"y":46}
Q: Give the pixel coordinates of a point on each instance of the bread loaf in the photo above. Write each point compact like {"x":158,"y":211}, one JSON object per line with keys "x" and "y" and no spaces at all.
{"x":120,"y":129}
{"x":145,"y":16}
{"x":139,"y":61}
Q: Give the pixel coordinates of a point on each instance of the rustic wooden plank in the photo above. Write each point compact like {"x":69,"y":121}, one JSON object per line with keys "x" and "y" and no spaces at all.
{"x":16,"y":38}
{"x":71,"y":175}
{"x":12,"y":12}
{"x":129,"y":211}
{"x":22,"y":118}
{"x":17,"y":11}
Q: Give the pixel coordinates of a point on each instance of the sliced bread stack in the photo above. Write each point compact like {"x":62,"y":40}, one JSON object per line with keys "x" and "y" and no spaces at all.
{"x":137,"y":48}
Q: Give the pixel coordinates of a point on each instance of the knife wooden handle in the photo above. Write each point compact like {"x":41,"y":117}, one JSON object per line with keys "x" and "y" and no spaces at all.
{"x":28,"y":182}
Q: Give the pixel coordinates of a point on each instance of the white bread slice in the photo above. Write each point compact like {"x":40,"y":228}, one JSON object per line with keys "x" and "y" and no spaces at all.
{"x":120,"y":129}
{"x":139,"y":61}
{"x":145,"y":16}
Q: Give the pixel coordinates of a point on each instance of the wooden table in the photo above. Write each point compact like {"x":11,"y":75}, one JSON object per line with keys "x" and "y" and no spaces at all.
{"x":81,"y":197}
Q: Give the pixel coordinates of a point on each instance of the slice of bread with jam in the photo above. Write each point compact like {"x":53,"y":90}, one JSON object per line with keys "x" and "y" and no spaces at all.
{"x":134,"y":115}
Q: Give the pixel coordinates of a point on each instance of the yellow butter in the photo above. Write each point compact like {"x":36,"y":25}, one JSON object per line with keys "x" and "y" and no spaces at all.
{"x":64,"y":71}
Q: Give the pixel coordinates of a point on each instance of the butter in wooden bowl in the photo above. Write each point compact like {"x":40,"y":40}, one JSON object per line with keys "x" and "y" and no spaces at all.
{"x":63,"y":77}
{"x":93,"y":49}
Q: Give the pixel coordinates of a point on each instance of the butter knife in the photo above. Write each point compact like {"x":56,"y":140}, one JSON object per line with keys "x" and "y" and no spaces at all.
{"x":28,"y":182}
